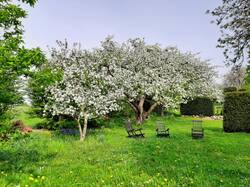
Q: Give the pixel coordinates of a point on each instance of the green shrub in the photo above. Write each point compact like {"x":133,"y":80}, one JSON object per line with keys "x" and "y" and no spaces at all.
{"x":199,"y":106}
{"x":7,"y":132}
{"x":237,"y":112}
{"x":230,"y":89}
{"x":242,"y":90}
{"x":54,"y":124}
{"x":218,"y":109}
{"x":39,"y":81}
{"x":67,"y":123}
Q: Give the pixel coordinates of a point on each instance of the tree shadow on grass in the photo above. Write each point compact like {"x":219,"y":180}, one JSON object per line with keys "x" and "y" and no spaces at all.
{"x":23,"y":159}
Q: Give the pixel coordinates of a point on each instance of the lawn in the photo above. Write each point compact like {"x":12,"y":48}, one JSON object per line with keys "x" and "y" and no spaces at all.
{"x":109,"y":158}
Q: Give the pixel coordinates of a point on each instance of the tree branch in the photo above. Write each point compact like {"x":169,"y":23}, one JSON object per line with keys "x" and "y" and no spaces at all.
{"x":152,"y":107}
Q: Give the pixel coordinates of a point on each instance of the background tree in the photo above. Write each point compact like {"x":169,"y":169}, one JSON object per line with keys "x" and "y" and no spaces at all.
{"x":247,"y":79}
{"x":166,"y":76}
{"x":15,"y":59}
{"x":40,"y":79}
{"x":233,"y":18}
{"x":235,"y":78}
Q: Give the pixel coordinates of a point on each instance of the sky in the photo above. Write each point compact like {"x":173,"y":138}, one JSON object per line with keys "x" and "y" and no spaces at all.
{"x":179,"y":23}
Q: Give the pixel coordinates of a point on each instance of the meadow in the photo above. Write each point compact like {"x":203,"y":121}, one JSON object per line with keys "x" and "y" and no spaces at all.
{"x":108,"y":158}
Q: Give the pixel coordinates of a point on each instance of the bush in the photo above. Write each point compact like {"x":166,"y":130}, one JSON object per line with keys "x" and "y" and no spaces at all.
{"x":41,"y":79}
{"x":230,"y":89}
{"x":9,"y":130}
{"x":242,"y":90}
{"x":218,"y":109}
{"x":68,"y":123}
{"x":237,"y":112}
{"x":198,"y":106}
{"x":52,"y":124}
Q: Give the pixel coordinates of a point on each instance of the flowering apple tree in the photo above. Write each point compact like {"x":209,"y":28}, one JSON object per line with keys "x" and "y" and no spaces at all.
{"x":83,"y":93}
{"x":164,"y":75}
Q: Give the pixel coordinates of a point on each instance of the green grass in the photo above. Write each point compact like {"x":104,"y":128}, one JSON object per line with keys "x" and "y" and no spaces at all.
{"x":25,"y":114}
{"x":108,"y":158}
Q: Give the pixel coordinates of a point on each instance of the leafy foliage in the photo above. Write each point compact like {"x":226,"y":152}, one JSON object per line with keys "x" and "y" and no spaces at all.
{"x":235,"y":78}
{"x":15,"y":59}
{"x":237,"y":112}
{"x":230,"y":89}
{"x":163,"y":76}
{"x":247,"y":79}
{"x":233,"y":18}
{"x":39,"y":81}
{"x":7,"y":132}
{"x":198,"y":106}
{"x":83,"y":92}
{"x":95,"y":82}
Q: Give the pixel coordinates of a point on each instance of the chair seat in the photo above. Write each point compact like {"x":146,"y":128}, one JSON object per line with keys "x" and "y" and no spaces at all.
{"x":161,"y":130}
{"x":133,"y":132}
{"x":197,"y":132}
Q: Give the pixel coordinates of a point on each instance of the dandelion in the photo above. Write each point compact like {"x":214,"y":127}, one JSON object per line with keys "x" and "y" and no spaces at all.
{"x":43,"y":178}
{"x":31,"y":178}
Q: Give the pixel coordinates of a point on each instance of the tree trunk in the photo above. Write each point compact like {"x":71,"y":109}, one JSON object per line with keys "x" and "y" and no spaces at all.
{"x":140,"y":114}
{"x":80,"y":128}
{"x":139,"y":118}
{"x":85,"y":125}
{"x":83,"y":129}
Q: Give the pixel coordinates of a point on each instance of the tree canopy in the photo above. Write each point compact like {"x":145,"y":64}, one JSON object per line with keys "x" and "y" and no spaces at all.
{"x":84,"y":91}
{"x":165,"y":76}
{"x":15,"y":59}
{"x":102,"y":80}
{"x":233,"y":18}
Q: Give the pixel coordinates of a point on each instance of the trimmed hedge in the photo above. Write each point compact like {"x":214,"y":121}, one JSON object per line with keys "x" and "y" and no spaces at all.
{"x":198,"y":106}
{"x":230,"y":89}
{"x":237,"y":112}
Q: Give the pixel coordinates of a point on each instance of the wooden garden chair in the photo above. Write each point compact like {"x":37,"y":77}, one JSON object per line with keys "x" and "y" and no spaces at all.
{"x":132,"y":132}
{"x":197,"y":130}
{"x":161,"y":130}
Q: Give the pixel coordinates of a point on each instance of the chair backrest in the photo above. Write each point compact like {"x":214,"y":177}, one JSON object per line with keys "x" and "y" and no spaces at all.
{"x":128,"y":125}
{"x":197,"y":124}
{"x":160,"y":125}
